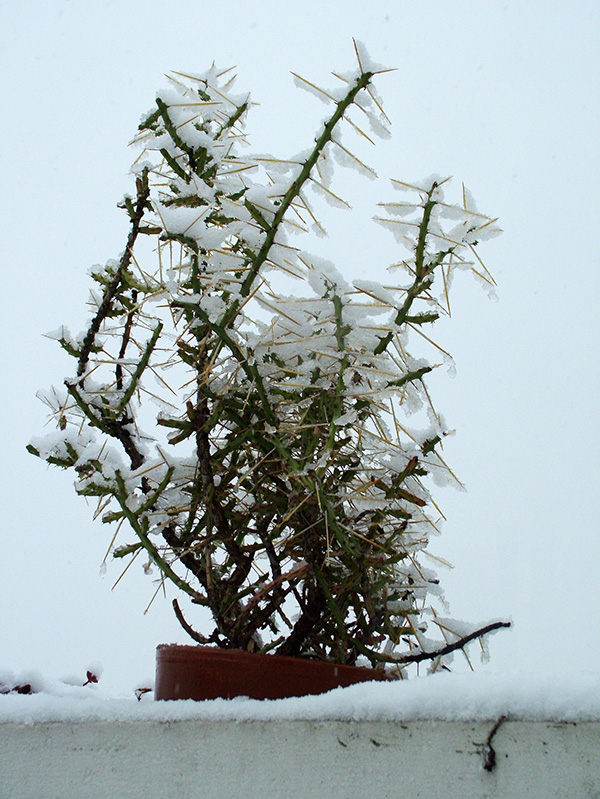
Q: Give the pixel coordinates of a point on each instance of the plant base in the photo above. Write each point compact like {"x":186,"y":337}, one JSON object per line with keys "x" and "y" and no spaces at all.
{"x":203,"y":672}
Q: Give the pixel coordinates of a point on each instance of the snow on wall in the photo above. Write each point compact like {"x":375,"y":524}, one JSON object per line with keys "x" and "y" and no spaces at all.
{"x":441,"y":735}
{"x":444,"y":696}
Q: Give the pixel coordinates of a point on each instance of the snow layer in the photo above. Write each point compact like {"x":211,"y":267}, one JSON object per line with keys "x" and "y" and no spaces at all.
{"x":442,"y":696}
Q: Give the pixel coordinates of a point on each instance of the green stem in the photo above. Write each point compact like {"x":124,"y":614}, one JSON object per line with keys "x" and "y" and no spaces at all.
{"x":142,"y":364}
{"x":293,"y":192}
{"x":423,"y":279}
{"x":138,"y":528}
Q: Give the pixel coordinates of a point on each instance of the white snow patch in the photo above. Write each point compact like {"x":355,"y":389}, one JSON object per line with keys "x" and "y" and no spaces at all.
{"x":442,"y":696}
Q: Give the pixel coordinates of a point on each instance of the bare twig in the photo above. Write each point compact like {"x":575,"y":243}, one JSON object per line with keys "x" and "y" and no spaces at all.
{"x":201,"y":639}
{"x":445,"y":650}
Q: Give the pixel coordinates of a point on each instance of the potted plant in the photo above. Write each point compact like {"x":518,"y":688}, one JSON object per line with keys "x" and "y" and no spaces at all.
{"x":280,"y":485}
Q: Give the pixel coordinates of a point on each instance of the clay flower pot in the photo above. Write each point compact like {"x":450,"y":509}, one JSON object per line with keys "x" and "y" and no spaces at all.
{"x":203,"y":672}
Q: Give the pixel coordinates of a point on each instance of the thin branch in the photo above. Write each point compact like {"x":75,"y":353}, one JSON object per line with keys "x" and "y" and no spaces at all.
{"x":294,"y":191}
{"x":125,"y":341}
{"x":201,"y":639}
{"x":445,"y":650}
{"x":141,"y":205}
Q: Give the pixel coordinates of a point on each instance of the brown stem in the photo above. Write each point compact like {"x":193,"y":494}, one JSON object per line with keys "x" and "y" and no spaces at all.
{"x":253,"y":617}
{"x":185,"y":557}
{"x":314,"y":608}
{"x":201,"y":639}
{"x":143,"y":194}
{"x":213,"y":506}
{"x":118,"y":430}
{"x":125,"y":341}
{"x":445,"y":650}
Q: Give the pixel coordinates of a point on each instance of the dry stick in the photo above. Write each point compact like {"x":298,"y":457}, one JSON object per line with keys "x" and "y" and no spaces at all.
{"x":201,"y":639}
{"x":445,"y":650}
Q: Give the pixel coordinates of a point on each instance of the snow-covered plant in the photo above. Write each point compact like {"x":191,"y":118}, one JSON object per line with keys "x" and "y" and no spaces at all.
{"x":280,"y":487}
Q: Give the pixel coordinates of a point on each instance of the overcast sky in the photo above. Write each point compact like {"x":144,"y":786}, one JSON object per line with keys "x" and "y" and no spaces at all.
{"x":501,"y":94}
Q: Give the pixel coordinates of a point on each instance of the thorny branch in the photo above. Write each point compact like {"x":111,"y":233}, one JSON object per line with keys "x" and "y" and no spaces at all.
{"x":417,"y":657}
{"x":289,"y":491}
{"x":141,"y":205}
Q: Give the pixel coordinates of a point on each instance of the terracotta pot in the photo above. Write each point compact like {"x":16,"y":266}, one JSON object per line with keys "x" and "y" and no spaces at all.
{"x":203,"y":672}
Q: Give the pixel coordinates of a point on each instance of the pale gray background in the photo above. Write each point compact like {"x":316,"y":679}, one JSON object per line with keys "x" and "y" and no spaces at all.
{"x":503,"y":95}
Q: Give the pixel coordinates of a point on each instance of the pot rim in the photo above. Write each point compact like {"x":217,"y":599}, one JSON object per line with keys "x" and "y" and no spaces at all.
{"x":191,"y":652}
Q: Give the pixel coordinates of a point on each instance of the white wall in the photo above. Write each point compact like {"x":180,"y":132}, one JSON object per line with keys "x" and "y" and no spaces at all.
{"x":275,"y":759}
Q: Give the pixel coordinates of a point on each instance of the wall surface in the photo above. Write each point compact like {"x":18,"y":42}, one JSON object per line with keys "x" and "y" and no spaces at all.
{"x":128,"y":760}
